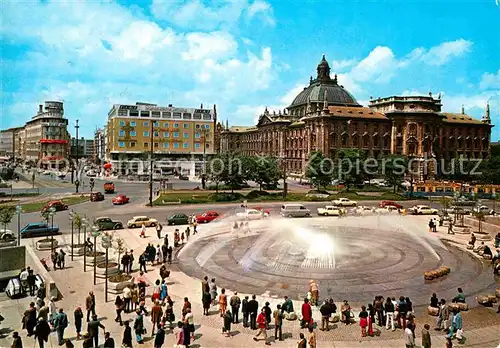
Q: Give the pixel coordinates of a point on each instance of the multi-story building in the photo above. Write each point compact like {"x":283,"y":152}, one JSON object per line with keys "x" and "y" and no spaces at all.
{"x":85,"y":148}
{"x":46,"y":136}
{"x":8,"y":141}
{"x":181,"y":138}
{"x":99,"y":154}
{"x":19,"y":143}
{"x":326,"y":117}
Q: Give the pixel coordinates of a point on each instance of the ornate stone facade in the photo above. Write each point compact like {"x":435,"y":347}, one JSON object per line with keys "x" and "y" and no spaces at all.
{"x":326,"y":117}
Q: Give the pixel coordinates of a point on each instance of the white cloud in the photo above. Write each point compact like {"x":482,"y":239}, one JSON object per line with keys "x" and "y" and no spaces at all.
{"x":262,"y":8}
{"x":209,"y":45}
{"x":339,"y":65}
{"x":490,"y":80}
{"x":443,"y":53}
{"x":289,"y":96}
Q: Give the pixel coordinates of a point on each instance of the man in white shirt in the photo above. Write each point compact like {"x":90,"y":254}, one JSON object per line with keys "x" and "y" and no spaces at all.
{"x":408,"y":336}
{"x":127,"y":297}
{"x":23,"y":277}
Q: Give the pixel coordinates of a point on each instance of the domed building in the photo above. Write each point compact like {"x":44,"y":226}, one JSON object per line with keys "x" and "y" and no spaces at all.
{"x":325,"y":117}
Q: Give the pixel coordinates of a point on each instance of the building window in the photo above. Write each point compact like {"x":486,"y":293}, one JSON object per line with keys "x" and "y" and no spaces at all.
{"x":146,"y":144}
{"x":176,"y":145}
{"x":197,"y":126}
{"x":155,"y":113}
{"x":132,"y":144}
{"x":145,"y":124}
{"x":186,"y":125}
{"x":197,"y":145}
{"x":133,"y":113}
{"x":207,"y":117}
{"x":185,"y":145}
{"x":155,"y":124}
{"x":197,"y":135}
{"x":122,"y":123}
{"x":122,"y":133}
{"x":176,"y":125}
{"x":166,"y":114}
{"x":132,"y":123}
{"x":157,"y":134}
{"x":156,"y":145}
{"x":166,"y":145}
{"x":165,"y":125}
{"x":121,"y":144}
{"x":133,"y":133}
{"x":176,"y":134}
{"x":166,"y":134}
{"x":186,"y":135}
{"x":144,"y":113}
{"x":177,"y":115}
{"x":145,"y":133}
{"x":197,"y":116}
{"x":186,"y":116}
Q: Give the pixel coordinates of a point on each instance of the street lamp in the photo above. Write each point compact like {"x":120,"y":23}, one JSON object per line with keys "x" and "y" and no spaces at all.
{"x":19,"y":210}
{"x":106,"y":244}
{"x":494,"y":197}
{"x":71,"y":214}
{"x":52,"y":212}
{"x":85,"y":223}
{"x":456,"y":195}
{"x":95,"y":233}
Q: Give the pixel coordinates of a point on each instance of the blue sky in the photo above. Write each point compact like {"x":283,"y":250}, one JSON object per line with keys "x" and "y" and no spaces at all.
{"x":243,"y":55}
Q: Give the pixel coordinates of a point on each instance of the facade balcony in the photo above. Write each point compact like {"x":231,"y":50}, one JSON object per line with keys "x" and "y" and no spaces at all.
{"x":53,"y":141}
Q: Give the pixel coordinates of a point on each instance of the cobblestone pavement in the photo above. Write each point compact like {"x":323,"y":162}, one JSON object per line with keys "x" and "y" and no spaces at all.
{"x":481,"y":324}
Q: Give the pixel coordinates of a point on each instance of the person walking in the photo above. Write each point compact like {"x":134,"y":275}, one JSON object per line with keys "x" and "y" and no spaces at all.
{"x":52,"y":310}
{"x":159,"y":337}
{"x":156,"y":314}
{"x":206,"y":301}
{"x":159,"y":256}
{"x":253,"y":308}
{"x":78,"y":317}
{"x":306,"y":314}
{"x":60,"y":324}
{"x":119,"y":305}
{"x":142,"y":263}
{"x":16,"y":342}
{"x":143,"y":231}
{"x":426,"y":337}
{"x":443,"y":315}
{"x":31,"y":281}
{"x":244,"y":311}
{"x":222,"y":302}
{"x":278,"y":323}
{"x":93,"y":329}
{"x":159,"y":228}
{"x":42,"y":332}
{"x":127,"y":336}
{"x":408,"y":337}
{"x":261,"y":321}
{"x":189,"y":322}
{"x":235,"y":303}
{"x":90,"y":305}
{"x":127,"y":298}
{"x":312,"y":337}
{"x":109,"y":342}
{"x":29,"y":319}
{"x":456,"y":324}
{"x":139,"y":327}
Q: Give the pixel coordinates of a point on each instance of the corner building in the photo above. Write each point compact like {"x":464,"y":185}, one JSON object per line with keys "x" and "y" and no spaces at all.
{"x":181,"y":137}
{"x":326,"y":117}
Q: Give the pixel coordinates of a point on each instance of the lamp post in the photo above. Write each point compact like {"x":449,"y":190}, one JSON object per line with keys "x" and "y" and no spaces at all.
{"x":95,"y":234}
{"x":456,"y":195}
{"x":71,"y":213}
{"x":106,"y":244}
{"x":151,"y":165}
{"x":19,"y":210}
{"x":85,"y":223}
{"x":204,"y":174}
{"x":76,"y":127}
{"x":494,"y":197}
{"x":52,"y":212}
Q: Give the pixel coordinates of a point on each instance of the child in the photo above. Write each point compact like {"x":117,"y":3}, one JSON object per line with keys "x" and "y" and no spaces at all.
{"x":143,"y":231}
{"x":228,"y":319}
{"x":363,"y":320}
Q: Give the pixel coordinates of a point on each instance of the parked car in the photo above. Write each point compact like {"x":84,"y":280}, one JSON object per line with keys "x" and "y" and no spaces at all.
{"x":294,"y":210}
{"x":331,"y":210}
{"x":345,"y":202}
{"x":209,"y":216}
{"x":458,"y":210}
{"x":36,"y":229}
{"x":6,"y":236}
{"x":183,"y":177}
{"x":96,"y":197}
{"x":266,"y":212}
{"x":250,"y":214}
{"x":178,"y":219}
{"x":318,"y":194}
{"x":105,"y":223}
{"x":392,"y":204}
{"x":120,"y":199}
{"x":91,"y":174}
{"x":138,"y":221}
{"x":423,"y":210}
{"x":109,"y":187}
{"x":485,"y":210}
{"x":58,"y":205}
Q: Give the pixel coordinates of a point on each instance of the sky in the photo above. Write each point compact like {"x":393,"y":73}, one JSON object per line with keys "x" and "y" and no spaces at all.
{"x":242,"y":55}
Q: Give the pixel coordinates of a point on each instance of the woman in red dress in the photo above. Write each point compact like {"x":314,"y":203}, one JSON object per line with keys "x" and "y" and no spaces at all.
{"x":363,"y":320}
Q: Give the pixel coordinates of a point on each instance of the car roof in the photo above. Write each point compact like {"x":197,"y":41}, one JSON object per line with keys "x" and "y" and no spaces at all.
{"x":34,"y":223}
{"x":331,"y":206}
{"x":140,"y":217}
{"x":103,"y":217}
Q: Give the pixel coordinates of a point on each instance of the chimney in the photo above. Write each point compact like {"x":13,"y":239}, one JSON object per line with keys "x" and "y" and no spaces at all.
{"x":40,"y":108}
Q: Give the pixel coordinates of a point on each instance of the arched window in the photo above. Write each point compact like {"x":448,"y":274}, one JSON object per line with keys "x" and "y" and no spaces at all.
{"x":366,"y":141}
{"x":355,"y":141}
{"x":345,"y":140}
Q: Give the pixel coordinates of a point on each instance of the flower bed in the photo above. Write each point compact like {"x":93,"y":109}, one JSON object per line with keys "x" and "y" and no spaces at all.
{"x":482,"y":236}
{"x":461,"y":229}
{"x":112,"y":268}
{"x":46,"y":244}
{"x":78,"y":249}
{"x":437,"y":273}
{"x":98,"y":256}
{"x":117,"y":283}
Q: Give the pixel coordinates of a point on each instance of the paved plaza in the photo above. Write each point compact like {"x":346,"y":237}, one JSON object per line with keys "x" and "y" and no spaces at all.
{"x":481,"y":325}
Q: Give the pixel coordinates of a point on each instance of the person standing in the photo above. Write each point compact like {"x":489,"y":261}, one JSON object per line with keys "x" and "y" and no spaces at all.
{"x":222,"y":302}
{"x":244,"y":311}
{"x":312,"y":337}
{"x":426,"y":337}
{"x":60,"y":324}
{"x":90,"y":305}
{"x":164,"y":252}
{"x":325,"y":311}
{"x":227,"y":320}
{"x":159,"y":256}
{"x":443,"y":315}
{"x":408,"y":337}
{"x":142,"y":263}
{"x":42,"y":332}
{"x":31,"y":281}
{"x":314,"y":290}
{"x":159,"y":337}
{"x":213,"y":290}
{"x":109,"y":342}
{"x":306,"y":314}
{"x":125,"y":262}
{"x":389,"y":312}
{"x":131,"y":262}
{"x":143,"y":231}
{"x":235,"y":303}
{"x":93,"y":329}
{"x":189,"y":322}
{"x":52,"y":310}
{"x":29,"y":319}
{"x":302,"y":341}
{"x":206,"y":300}
{"x":363,"y":320}
{"x":139,"y":327}
{"x":127,"y":335}
{"x":127,"y":297}
{"x":78,"y":316}
{"x":62,"y":258}
{"x":16,"y":342}
{"x":278,"y":323}
{"x":261,"y":321}
{"x":253,"y":308}
{"x":159,"y":228}
{"x":156,"y":314}
{"x":119,"y":305}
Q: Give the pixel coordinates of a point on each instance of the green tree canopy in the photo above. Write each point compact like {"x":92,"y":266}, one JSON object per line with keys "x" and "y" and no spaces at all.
{"x":319,"y":170}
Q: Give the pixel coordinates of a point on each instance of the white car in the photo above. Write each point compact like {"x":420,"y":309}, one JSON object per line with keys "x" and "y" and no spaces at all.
{"x":361,"y":209}
{"x":345,"y":202}
{"x":424,"y":210}
{"x":6,"y":235}
{"x":331,"y":210}
{"x":251,"y":214}
{"x":485,"y":210}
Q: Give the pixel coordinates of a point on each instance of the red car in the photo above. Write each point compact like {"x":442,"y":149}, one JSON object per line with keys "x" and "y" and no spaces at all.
{"x":207,"y":217}
{"x":265,"y":211}
{"x":120,"y":199}
{"x":58,"y":205}
{"x":384,"y":204}
{"x":96,"y":197}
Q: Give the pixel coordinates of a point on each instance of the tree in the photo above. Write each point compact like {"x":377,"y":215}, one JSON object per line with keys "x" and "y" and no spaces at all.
{"x":215,"y":171}
{"x":319,"y":170}
{"x":479,"y":215}
{"x":236,"y":170}
{"x":394,"y":168}
{"x":351,"y":166}
{"x":46,"y":216}
{"x":264,"y":170}
{"x":445,"y":204}
{"x":119,"y":246}
{"x":78,"y":224}
{"x":6,"y":215}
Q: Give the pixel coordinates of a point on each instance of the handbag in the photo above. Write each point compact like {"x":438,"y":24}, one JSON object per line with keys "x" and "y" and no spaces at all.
{"x":459,"y":334}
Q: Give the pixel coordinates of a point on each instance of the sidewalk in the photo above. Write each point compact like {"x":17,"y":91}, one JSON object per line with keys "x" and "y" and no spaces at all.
{"x":481,"y":324}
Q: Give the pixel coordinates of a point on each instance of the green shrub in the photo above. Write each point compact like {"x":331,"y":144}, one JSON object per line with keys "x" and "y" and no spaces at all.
{"x":256,"y":194}
{"x":225,"y":197}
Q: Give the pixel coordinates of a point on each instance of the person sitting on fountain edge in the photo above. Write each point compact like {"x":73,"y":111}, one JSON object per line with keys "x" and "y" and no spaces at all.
{"x":460,"y":298}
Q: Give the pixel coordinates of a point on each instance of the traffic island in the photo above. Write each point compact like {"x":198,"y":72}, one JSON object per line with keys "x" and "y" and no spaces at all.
{"x":46,"y":244}
{"x":118,"y":282}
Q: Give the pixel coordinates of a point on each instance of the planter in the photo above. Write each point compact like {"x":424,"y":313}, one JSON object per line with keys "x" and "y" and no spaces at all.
{"x":482,"y":236}
{"x":46,"y":244}
{"x":437,"y":273}
{"x":483,"y":300}
{"x":98,"y":256}
{"x":116,"y":287}
{"x":78,"y":249}
{"x":112,"y":268}
{"x":461,"y":229}
{"x":432,"y":311}
{"x":8,"y":243}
